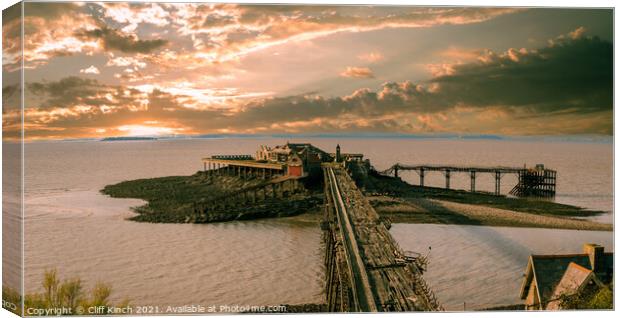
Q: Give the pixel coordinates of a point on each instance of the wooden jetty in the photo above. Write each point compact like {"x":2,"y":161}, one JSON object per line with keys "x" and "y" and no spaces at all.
{"x":366,"y":270}
{"x":537,"y":182}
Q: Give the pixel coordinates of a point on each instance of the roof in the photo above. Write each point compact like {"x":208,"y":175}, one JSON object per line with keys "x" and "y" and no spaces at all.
{"x":304,"y":145}
{"x":574,"y":277}
{"x":574,"y":280}
{"x":245,"y":163}
{"x":549,"y":270}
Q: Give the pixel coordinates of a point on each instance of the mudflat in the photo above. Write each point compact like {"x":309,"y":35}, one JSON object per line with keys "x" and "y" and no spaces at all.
{"x":428,"y":210}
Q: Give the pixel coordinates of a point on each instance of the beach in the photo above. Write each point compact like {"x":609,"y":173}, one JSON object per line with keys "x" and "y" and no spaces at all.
{"x":433,"y":211}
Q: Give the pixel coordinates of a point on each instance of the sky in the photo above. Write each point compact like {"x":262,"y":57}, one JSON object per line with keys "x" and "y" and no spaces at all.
{"x":94,"y":70}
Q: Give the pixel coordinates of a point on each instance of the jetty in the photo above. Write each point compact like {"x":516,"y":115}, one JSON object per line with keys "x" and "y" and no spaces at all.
{"x":533,"y":182}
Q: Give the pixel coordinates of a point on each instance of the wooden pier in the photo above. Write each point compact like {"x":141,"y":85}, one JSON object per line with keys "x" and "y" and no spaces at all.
{"x":535,"y":182}
{"x":366,"y":270}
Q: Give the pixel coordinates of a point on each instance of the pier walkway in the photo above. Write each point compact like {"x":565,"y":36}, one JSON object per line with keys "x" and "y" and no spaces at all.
{"x":366,"y":269}
{"x":537,"y":181}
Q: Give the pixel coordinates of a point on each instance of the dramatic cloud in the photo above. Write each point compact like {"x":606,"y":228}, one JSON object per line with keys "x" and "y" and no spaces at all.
{"x":228,"y":31}
{"x":90,"y":70}
{"x":577,"y":33}
{"x":124,"y":61}
{"x":218,"y":68}
{"x":115,"y":40}
{"x":85,"y":93}
{"x":131,"y":15}
{"x":574,"y":75}
{"x":48,"y":30}
{"x":218,"y":32}
{"x":357,"y":72}
{"x":563,"y":88}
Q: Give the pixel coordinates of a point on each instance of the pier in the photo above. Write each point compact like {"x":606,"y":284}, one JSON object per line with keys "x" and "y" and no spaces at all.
{"x":366,"y":270}
{"x":536,"y":182}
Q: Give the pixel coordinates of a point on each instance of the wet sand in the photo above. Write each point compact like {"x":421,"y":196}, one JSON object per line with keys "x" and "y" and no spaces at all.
{"x":434,"y":211}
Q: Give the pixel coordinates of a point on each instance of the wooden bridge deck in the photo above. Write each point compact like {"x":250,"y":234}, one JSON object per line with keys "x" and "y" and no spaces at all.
{"x":367,"y":270}
{"x":538,"y":181}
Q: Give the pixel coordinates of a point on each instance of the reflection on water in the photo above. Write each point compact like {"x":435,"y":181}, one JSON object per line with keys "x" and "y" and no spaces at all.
{"x":483,"y":266}
{"x":71,"y":227}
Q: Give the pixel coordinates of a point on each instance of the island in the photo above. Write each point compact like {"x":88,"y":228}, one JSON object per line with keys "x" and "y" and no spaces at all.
{"x":288,"y":180}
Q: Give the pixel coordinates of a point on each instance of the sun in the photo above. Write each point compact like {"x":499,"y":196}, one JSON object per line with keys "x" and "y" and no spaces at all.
{"x":144,"y":130}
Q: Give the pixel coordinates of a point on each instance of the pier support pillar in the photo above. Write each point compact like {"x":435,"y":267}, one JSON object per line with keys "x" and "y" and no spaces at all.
{"x":472,"y":176}
{"x":447,"y":179}
{"x":421,"y":177}
{"x":498,"y":178}
{"x":263,"y":173}
{"x":205,"y":166}
{"x":396,"y":172}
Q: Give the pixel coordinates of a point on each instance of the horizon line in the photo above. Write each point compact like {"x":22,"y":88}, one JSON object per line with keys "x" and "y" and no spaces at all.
{"x":457,"y":136}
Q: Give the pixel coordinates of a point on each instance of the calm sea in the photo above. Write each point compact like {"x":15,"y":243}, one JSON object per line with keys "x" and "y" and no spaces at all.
{"x":81,"y":233}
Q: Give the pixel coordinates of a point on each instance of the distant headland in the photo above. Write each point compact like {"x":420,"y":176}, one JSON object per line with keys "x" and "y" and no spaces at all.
{"x":127,"y":138}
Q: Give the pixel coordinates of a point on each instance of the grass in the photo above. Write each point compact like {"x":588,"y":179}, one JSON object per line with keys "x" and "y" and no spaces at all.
{"x":600,"y":298}
{"x":67,"y":297}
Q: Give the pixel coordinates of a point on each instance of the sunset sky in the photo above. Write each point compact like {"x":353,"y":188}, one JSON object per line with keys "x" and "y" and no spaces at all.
{"x":114,"y":69}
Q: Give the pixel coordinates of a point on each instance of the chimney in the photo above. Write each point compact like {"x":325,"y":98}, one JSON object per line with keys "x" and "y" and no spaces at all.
{"x":595,"y":254}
